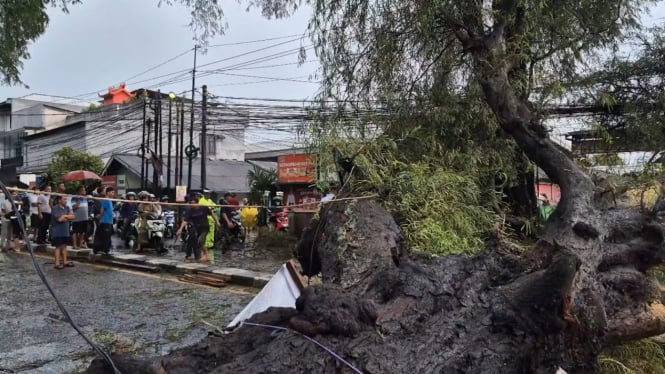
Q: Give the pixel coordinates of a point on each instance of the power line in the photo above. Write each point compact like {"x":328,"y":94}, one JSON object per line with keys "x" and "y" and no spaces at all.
{"x":159,"y":65}
{"x":128,"y":81}
{"x":255,"y":41}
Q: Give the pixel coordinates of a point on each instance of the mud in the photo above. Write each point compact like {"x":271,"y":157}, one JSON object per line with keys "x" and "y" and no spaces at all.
{"x":122,"y":311}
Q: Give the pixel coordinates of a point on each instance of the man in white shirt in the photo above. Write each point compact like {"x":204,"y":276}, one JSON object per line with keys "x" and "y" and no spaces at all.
{"x":34,"y":211}
{"x":44,"y":211}
{"x":5,"y":210}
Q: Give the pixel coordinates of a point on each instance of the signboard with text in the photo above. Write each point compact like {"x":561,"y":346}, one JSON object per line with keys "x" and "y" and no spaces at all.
{"x":300,"y":168}
{"x":110,"y":180}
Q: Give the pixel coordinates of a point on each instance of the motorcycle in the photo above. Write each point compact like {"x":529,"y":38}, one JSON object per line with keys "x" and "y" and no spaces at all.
{"x":154,"y":238}
{"x":169,"y":222}
{"x":282,"y":221}
{"x":278,"y":218}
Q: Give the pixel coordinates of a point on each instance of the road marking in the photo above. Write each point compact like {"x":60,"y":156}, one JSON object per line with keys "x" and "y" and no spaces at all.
{"x":164,"y":276}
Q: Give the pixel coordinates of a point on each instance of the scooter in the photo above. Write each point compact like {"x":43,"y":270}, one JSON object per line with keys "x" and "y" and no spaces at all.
{"x":155,"y":234}
{"x":169,"y":222}
{"x":282,"y":221}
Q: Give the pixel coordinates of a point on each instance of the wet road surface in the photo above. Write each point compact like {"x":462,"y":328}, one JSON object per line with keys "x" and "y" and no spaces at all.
{"x":120,"y":310}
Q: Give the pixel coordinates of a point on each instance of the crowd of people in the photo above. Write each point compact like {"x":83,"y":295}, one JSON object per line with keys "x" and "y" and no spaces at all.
{"x":86,"y":220}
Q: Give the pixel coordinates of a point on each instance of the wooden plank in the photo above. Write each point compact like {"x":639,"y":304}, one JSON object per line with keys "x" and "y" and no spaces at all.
{"x":301,"y":282}
{"x":197,"y":279}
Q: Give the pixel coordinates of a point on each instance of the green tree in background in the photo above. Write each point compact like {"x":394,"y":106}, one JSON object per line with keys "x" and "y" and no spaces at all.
{"x":68,"y":159}
{"x":260,"y":180}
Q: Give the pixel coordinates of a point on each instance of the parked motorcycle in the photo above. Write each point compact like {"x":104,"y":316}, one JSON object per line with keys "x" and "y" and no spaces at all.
{"x":282,"y":221}
{"x":169,"y":222}
{"x":153,"y":239}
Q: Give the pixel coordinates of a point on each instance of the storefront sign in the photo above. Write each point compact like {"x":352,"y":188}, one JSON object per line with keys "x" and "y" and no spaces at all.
{"x":300,"y":168}
{"x":110,"y":180}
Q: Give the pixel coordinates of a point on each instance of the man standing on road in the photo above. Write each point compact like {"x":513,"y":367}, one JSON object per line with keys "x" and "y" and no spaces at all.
{"x":105,"y":223}
{"x":206,"y":200}
{"x":196,"y":222}
{"x":62,"y":216}
{"x":80,"y":226}
{"x":44,"y":214}
{"x":34,"y":212}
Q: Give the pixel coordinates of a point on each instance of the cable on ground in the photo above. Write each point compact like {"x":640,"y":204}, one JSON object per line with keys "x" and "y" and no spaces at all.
{"x":328,"y":350}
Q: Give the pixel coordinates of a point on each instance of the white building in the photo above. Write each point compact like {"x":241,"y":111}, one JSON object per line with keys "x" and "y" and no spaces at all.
{"x":119,"y":128}
{"x":23,"y":116}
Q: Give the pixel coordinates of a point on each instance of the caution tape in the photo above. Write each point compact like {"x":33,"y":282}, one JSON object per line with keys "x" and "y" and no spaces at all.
{"x":317,"y":204}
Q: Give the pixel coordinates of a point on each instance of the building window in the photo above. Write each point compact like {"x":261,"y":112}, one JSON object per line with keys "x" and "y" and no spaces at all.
{"x":211,"y":144}
{"x":18,"y":147}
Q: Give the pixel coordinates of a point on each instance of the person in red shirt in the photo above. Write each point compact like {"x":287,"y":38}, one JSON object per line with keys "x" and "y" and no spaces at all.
{"x":233,"y":200}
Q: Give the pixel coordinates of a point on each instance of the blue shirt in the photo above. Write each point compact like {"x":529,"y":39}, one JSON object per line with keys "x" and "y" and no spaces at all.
{"x":107,"y":205}
{"x":60,"y":229}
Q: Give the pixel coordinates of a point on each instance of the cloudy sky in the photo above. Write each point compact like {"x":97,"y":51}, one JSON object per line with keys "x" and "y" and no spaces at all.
{"x":103,"y":43}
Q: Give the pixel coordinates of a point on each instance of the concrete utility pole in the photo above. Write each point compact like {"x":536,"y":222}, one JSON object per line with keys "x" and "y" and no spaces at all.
{"x":143,"y":144}
{"x":156,"y":174}
{"x":168,"y":146}
{"x":191,"y":124}
{"x":204,"y":144}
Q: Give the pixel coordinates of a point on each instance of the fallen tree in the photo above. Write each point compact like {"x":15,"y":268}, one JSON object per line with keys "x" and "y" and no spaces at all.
{"x":500,"y":311}
{"x":585,"y":285}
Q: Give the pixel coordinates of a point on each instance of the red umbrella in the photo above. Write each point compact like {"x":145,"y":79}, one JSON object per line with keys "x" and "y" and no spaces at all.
{"x":80,"y":176}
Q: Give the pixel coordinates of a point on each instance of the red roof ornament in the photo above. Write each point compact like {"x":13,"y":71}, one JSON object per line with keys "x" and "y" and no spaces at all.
{"x":118,"y":95}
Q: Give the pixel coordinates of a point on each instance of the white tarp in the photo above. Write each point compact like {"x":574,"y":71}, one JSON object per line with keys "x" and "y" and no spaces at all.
{"x":281,"y":291}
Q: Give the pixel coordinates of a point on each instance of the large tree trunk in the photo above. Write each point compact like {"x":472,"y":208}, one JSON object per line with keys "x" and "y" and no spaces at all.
{"x":585,"y":285}
{"x":498,"y":312}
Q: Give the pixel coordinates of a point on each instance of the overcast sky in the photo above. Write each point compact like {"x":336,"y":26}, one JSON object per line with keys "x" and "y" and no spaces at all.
{"x":103,"y":43}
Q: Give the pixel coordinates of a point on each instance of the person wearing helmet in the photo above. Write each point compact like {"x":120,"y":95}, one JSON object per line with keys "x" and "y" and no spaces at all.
{"x":206,"y":200}
{"x":128,"y":211}
{"x":145,"y":209}
{"x":156,"y":208}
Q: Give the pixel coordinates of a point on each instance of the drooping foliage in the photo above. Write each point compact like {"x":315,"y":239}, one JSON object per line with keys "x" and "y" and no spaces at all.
{"x":403,"y":58}
{"x":439,"y":208}
{"x":631,"y":87}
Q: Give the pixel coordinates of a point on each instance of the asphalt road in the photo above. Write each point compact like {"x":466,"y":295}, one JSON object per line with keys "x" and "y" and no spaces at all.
{"x":120,"y":310}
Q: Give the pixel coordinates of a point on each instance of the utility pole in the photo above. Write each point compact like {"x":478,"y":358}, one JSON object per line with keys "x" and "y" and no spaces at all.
{"x":191,"y":124}
{"x":161,"y":127}
{"x":158,"y":138}
{"x":142,"y":150}
{"x":168,"y":151}
{"x":204,"y":145}
{"x":146,"y":146}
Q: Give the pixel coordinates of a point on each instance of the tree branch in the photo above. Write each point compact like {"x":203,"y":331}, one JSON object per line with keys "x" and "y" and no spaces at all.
{"x":635,"y":325}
